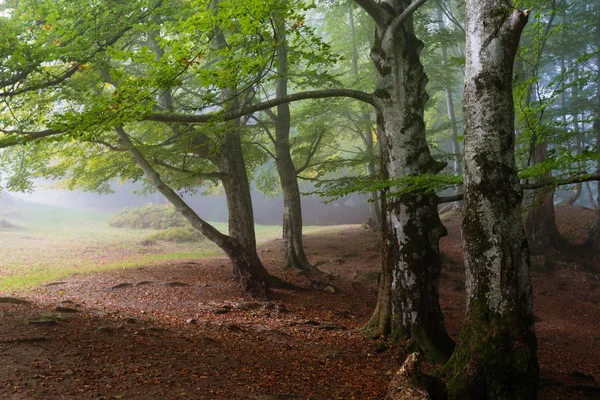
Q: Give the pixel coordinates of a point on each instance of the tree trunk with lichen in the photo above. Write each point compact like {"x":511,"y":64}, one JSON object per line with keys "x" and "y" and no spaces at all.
{"x":496,"y":353}
{"x":408,"y":305}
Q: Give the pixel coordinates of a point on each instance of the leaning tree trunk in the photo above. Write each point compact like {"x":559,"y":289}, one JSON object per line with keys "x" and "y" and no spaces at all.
{"x":248,"y":270}
{"x":292,"y":206}
{"x":408,"y":305}
{"x":496,"y":353}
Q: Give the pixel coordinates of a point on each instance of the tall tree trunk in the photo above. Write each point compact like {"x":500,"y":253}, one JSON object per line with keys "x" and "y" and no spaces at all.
{"x":457,"y":157}
{"x":292,"y":206}
{"x":240,"y":245}
{"x":496,"y":354}
{"x":408,"y":304}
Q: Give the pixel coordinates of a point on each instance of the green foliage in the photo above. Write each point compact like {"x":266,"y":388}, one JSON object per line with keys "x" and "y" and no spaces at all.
{"x":426,"y":183}
{"x":149,"y":216}
{"x":179,"y":234}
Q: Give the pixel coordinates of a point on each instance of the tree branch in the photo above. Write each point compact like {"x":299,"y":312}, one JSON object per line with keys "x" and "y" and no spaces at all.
{"x":233,"y":114}
{"x":537,"y":185}
{"x":567,"y":181}
{"x":24,"y":137}
{"x":201,"y":175}
{"x":311,"y":152}
{"x":375,"y":11}
{"x":71,"y":70}
{"x":408,"y":11}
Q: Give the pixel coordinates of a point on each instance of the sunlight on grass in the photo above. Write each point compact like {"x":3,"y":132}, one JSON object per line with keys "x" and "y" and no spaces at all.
{"x":34,"y":276}
{"x":53,"y":243}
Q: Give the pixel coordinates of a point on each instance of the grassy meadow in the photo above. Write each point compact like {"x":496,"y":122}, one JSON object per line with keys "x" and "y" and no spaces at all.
{"x":48,"y":243}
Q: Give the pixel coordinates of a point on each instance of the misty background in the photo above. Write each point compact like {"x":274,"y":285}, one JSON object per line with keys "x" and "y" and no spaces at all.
{"x":353,"y":209}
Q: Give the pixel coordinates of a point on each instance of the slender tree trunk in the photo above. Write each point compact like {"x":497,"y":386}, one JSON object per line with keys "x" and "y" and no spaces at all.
{"x":496,"y":354}
{"x":578,"y":187}
{"x":457,"y":158}
{"x":366,"y":134}
{"x":408,"y":304}
{"x":374,"y":201}
{"x":292,"y":206}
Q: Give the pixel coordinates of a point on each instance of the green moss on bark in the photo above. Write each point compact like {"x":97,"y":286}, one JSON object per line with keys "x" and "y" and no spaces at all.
{"x":498,"y":361}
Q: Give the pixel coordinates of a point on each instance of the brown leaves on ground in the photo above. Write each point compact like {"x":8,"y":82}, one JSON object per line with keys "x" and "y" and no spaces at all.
{"x":181,"y":331}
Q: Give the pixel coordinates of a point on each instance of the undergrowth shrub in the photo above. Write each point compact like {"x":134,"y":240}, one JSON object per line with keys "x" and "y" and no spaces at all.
{"x":149,"y":216}
{"x":7,"y":225}
{"x":178,"y":234}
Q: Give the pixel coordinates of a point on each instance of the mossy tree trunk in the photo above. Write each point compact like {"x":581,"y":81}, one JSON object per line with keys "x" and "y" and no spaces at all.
{"x":408,"y":305}
{"x":496,"y":353}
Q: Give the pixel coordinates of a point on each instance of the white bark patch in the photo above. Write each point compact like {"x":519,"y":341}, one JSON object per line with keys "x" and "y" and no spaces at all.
{"x":398,"y":229}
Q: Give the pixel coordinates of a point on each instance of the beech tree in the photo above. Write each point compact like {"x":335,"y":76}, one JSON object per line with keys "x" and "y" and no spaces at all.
{"x":496,"y":353}
{"x":408,"y":305}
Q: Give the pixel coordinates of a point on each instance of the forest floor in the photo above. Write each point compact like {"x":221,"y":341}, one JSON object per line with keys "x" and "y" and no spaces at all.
{"x":179,"y":330}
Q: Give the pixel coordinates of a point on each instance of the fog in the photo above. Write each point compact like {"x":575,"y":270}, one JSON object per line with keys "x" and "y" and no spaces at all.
{"x":267,"y":211}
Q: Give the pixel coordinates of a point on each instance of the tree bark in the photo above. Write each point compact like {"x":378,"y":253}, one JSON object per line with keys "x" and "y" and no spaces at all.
{"x":408,"y":304}
{"x":496,"y":353}
{"x":292,"y":206}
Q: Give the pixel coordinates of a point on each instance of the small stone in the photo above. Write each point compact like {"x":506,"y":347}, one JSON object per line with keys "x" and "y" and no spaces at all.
{"x":222,"y":310}
{"x":312,"y":322}
{"x":332,"y":327}
{"x":251,"y":305}
{"x":66,"y":310}
{"x":68,"y":372}
{"x":14,"y":300}
{"x":329,"y":289}
{"x":234,"y":328}
{"x":55,"y":284}
{"x":176,"y":284}
{"x":191,"y":321}
{"x":122,"y":285}
{"x":143,"y":283}
{"x":44,"y":320}
{"x":282,"y":308}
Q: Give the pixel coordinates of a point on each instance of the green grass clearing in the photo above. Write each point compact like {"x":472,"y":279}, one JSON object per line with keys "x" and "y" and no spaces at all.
{"x":56,"y":243}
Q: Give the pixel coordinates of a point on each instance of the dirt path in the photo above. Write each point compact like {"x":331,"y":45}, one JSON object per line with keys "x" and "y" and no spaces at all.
{"x":181,"y":331}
